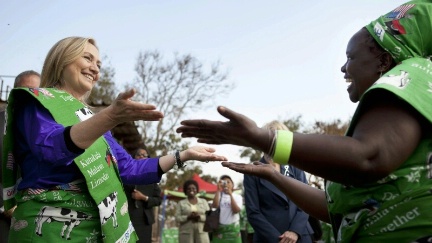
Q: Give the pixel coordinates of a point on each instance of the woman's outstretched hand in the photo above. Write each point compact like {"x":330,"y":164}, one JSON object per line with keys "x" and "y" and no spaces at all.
{"x":238,"y":130}
{"x":201,"y":153}
{"x":265,"y":171}
{"x":123,"y":109}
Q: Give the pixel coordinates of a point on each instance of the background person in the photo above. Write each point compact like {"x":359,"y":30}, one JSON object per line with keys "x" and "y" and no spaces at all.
{"x":378,"y":175}
{"x":30,"y":79}
{"x":71,"y":165}
{"x":141,"y":200}
{"x":191,"y":215}
{"x":230,"y":205}
{"x":274,"y":217}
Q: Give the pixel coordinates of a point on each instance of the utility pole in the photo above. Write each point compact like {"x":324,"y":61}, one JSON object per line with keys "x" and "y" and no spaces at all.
{"x":6,"y":92}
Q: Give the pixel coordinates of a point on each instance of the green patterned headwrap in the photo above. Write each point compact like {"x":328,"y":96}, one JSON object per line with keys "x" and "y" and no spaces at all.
{"x":406,"y":31}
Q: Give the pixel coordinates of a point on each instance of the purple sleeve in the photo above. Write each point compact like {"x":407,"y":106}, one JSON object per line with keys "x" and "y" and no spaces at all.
{"x":132,"y":171}
{"x":43,"y":135}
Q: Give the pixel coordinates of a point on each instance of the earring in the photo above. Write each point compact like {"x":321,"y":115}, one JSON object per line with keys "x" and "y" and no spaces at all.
{"x":380,"y":74}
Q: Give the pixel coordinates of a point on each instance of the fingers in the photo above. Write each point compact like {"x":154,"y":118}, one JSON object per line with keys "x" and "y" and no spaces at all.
{"x":228,"y":113}
{"x":233,"y":116}
{"x":239,"y":167}
{"x":126,"y":95}
{"x":202,"y":153}
{"x":210,"y":150}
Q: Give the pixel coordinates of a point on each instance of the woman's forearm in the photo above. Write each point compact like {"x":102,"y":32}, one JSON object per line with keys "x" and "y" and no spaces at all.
{"x":85,"y":133}
{"x":309,"y":199}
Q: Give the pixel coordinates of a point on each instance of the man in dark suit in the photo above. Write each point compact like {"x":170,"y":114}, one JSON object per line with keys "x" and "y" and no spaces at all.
{"x":141,"y":201}
{"x":272,"y":215}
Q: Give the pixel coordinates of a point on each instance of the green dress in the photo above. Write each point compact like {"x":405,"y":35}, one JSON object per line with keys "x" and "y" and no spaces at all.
{"x":396,"y":208}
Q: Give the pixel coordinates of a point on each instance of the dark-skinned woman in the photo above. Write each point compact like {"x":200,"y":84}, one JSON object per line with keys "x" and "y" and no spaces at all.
{"x":378,"y":176}
{"x":190,"y":214}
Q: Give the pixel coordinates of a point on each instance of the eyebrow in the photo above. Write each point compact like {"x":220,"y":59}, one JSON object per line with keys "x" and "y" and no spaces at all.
{"x":98,"y":62}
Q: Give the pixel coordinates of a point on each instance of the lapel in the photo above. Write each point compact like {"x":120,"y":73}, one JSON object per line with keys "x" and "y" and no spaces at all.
{"x":285,"y":170}
{"x":273,"y":189}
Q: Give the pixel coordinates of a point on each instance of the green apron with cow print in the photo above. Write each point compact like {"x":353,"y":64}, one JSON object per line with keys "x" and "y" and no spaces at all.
{"x":94,"y":209}
{"x":396,"y":208}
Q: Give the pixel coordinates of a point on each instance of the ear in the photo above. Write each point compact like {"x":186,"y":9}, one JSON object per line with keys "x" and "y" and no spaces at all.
{"x":387,"y":62}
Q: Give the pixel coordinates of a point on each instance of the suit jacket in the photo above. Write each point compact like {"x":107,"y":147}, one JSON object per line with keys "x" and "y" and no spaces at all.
{"x":141,"y":211}
{"x":183,"y":209}
{"x":271,"y":213}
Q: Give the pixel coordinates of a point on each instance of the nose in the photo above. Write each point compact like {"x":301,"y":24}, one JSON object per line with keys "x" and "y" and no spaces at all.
{"x":343,"y":68}
{"x":94,"y":68}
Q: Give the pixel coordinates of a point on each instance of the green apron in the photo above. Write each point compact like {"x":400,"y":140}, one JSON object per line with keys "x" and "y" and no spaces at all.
{"x":94,"y":210}
{"x":396,"y":208}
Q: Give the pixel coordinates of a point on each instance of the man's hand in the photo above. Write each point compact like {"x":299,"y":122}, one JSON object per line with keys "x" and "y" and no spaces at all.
{"x":288,"y":237}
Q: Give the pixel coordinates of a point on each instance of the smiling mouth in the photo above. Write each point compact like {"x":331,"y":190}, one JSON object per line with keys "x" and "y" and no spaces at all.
{"x":89,"y":77}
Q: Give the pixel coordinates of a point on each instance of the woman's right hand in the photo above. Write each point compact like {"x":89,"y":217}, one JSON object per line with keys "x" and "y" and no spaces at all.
{"x":239,"y":130}
{"x":221,"y":185}
{"x":123,"y":109}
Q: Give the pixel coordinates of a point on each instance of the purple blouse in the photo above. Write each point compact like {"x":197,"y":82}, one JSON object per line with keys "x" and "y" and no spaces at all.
{"x":47,"y":161}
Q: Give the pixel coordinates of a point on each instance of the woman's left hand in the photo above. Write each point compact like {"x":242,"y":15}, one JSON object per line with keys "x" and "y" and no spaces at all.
{"x":265,"y":171}
{"x":201,"y":153}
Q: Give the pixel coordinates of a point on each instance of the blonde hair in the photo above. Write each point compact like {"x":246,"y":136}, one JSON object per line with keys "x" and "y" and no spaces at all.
{"x":275,"y":125}
{"x":60,"y":55}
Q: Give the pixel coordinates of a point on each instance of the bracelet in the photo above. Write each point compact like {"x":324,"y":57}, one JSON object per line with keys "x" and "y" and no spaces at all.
{"x":178,"y":161}
{"x":272,"y":145}
{"x":284,"y":142}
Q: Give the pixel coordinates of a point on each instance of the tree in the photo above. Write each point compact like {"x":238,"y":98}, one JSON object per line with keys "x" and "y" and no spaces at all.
{"x":104,"y":91}
{"x":176,"y":87}
{"x":334,"y":127}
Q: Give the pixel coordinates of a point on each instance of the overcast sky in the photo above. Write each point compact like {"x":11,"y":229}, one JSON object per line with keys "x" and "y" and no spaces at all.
{"x":283,"y":56}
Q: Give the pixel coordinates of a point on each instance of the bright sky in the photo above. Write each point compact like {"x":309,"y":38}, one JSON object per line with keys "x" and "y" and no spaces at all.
{"x":284,"y":56}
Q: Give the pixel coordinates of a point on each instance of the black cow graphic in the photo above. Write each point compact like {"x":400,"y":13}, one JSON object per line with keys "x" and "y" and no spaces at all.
{"x":70,"y":218}
{"x":107,"y":209}
{"x":84,"y":113}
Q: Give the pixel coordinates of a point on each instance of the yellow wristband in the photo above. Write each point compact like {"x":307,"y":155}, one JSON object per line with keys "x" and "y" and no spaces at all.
{"x":284,"y":142}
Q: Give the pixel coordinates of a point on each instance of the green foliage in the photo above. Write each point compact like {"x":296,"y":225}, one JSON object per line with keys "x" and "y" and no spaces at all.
{"x":334,"y":127}
{"x":252,"y":154}
{"x":294,"y":123}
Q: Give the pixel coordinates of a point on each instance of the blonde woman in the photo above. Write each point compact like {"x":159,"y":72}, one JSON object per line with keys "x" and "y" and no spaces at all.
{"x":72,"y":168}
